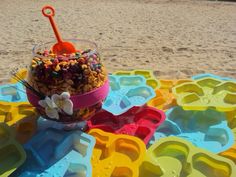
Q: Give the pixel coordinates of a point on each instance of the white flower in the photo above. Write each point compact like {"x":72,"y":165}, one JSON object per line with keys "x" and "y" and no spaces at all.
{"x":63,"y":102}
{"x":50,"y":108}
{"x":57,"y":103}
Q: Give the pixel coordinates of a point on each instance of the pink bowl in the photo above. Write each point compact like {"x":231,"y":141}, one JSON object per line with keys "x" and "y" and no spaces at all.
{"x":82,"y":101}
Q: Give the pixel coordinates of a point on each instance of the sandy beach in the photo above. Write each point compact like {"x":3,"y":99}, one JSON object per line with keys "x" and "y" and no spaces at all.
{"x":176,"y":39}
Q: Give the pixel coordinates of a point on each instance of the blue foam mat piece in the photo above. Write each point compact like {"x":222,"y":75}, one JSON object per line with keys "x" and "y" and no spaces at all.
{"x":126,"y":92}
{"x":206,"y":129}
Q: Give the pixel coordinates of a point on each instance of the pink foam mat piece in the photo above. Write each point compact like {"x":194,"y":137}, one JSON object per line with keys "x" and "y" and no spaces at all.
{"x":138,"y":121}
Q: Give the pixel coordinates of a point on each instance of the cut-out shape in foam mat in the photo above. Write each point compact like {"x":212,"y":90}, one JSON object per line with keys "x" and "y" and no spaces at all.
{"x":148,"y":74}
{"x":230,"y":153}
{"x":207,"y":75}
{"x":206,"y":93}
{"x":116,"y":155}
{"x":21,"y":116}
{"x":13,"y":93}
{"x":127,"y":92}
{"x":138,"y":121}
{"x":58,"y":153}
{"x":231,"y":118}
{"x":173,"y":156}
{"x":164,"y":98}
{"x":12,"y":154}
{"x":206,"y":129}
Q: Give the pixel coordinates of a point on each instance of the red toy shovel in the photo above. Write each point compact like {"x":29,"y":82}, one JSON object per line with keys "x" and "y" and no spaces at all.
{"x":61,"y":47}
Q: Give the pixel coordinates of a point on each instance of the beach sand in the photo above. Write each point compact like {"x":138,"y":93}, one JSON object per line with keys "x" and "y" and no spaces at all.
{"x":175,"y":39}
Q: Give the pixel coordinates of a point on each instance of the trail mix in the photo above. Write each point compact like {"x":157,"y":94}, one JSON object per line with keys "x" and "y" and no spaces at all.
{"x":75,"y":73}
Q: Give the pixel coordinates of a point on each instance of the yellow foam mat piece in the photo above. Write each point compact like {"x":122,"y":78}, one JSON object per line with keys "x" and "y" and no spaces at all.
{"x":173,"y":156}
{"x":22,"y":73}
{"x":12,"y":154}
{"x":206,"y":93}
{"x":116,"y":155}
{"x":21,"y":116}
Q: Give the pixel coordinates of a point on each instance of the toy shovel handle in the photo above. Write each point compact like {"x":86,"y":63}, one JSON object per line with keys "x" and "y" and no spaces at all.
{"x":48,"y":11}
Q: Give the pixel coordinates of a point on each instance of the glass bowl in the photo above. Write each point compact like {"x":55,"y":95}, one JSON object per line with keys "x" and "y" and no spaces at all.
{"x":81,"y":75}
